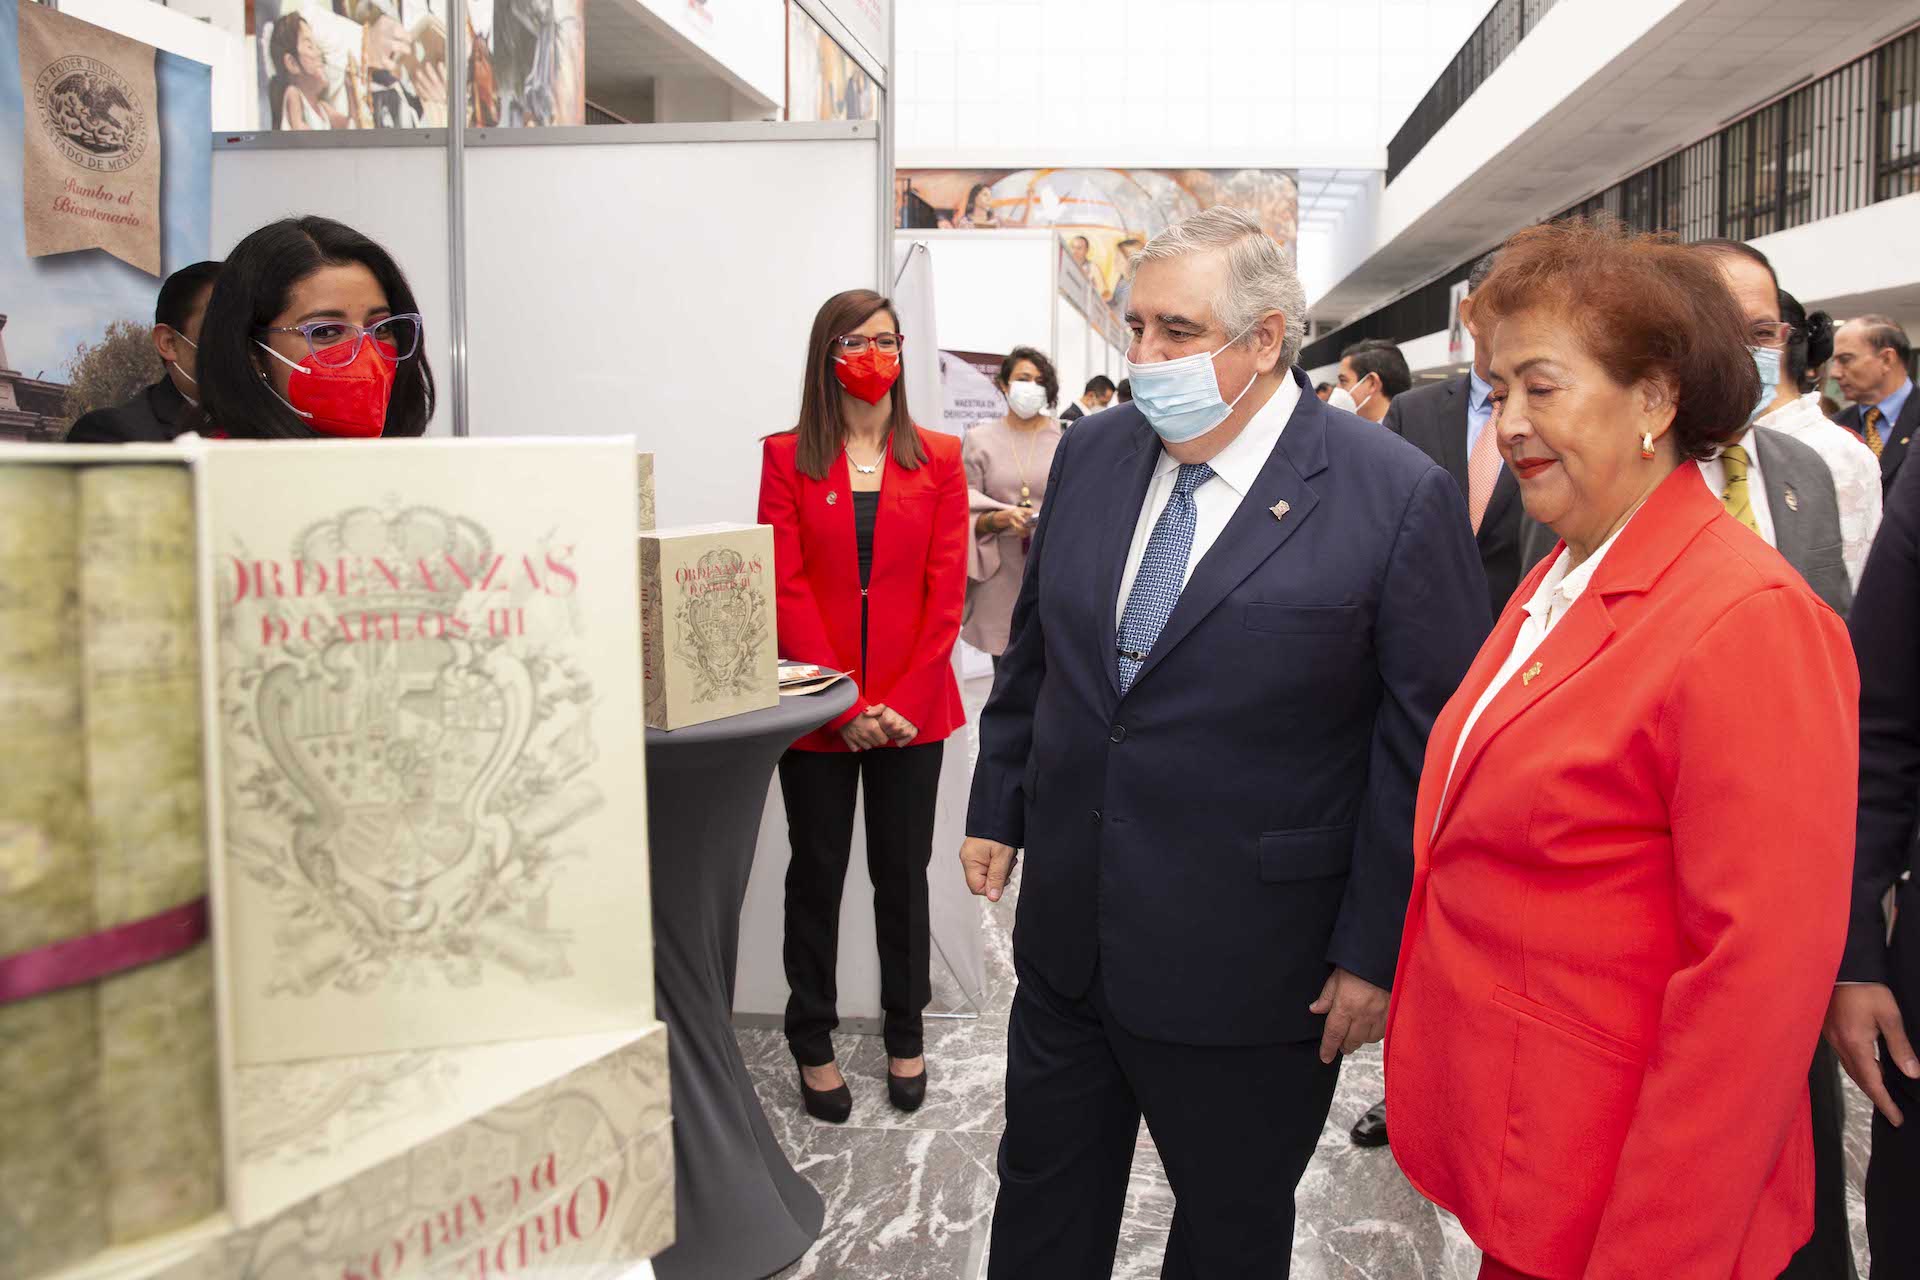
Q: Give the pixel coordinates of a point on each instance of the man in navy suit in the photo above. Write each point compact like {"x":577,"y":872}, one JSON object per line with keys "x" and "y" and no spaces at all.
{"x":1242,"y":612}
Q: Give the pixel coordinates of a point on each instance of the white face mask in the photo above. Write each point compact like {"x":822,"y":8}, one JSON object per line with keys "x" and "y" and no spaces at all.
{"x":1181,"y":398}
{"x":1352,"y":406}
{"x":182,"y":372}
{"x":1340,"y":398}
{"x":1026,"y":398}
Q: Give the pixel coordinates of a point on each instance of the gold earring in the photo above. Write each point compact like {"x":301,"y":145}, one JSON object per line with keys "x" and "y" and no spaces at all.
{"x":1646,"y":444}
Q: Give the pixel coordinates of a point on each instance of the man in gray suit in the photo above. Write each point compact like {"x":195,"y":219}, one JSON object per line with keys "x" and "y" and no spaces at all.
{"x":1783,"y":491}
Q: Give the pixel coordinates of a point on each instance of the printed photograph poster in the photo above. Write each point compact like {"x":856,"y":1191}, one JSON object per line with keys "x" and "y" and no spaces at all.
{"x":382,"y":64}
{"x":823,"y":82}
{"x":1104,"y":216}
{"x":74,"y":326}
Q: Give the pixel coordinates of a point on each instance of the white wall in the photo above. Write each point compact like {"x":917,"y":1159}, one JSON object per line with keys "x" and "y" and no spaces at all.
{"x":662,"y":305}
{"x":1166,"y":82}
{"x":1826,"y":260}
{"x":396,"y":195}
{"x":235,"y":99}
{"x":993,"y":292}
{"x":1325,"y":258}
{"x":746,"y":37}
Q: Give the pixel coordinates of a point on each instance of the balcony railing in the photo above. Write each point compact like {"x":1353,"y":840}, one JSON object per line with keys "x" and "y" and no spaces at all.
{"x":1497,"y":36}
{"x":1842,"y":142}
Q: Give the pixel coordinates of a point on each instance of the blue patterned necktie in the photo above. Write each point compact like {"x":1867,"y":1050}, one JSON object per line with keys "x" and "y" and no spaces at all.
{"x":1162,"y":572}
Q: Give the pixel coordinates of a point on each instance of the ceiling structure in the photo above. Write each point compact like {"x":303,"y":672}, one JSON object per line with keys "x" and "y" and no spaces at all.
{"x":1706,"y":64}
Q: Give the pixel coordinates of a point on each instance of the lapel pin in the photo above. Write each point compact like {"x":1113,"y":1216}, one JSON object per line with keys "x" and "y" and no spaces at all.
{"x":1526,"y":677}
{"x":1280,"y":509}
{"x":832,"y":497}
{"x":1793,"y":499}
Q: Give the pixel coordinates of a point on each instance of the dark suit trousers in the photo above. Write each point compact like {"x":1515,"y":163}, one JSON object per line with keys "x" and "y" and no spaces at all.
{"x":1893,"y":1172}
{"x":1829,"y":1254}
{"x":1235,"y":1127}
{"x":819,"y":788}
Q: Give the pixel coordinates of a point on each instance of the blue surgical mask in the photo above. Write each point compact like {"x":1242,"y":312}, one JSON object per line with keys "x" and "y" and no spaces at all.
{"x":1181,"y":398}
{"x":1767,"y":361}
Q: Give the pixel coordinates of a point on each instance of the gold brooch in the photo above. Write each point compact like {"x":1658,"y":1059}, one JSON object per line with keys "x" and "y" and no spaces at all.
{"x":1793,"y":499}
{"x":832,"y":497}
{"x":1280,"y":509}
{"x":1526,"y":677}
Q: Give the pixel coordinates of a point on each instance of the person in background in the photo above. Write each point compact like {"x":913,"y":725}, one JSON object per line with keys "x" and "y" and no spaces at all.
{"x":1007,"y":461}
{"x":298,"y":88}
{"x":158,"y":412}
{"x":978,"y":212}
{"x":1323,"y":390}
{"x":1876,"y":1002}
{"x":869,"y":516}
{"x":1870,"y":358}
{"x":1632,"y":839}
{"x":1241,"y":612}
{"x":312,"y":331}
{"x":1786,"y":492}
{"x":1123,"y":391}
{"x":1097,"y":396}
{"x":1080,"y":249}
{"x":1796,"y":412}
{"x":1123,"y":256}
{"x":1373,"y":372}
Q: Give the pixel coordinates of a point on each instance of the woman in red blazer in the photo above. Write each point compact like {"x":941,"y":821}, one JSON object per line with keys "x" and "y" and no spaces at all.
{"x":1633,"y":839}
{"x":869,"y":517}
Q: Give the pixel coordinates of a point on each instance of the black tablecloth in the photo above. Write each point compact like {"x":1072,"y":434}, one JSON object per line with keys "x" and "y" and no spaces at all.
{"x":740,"y":1210}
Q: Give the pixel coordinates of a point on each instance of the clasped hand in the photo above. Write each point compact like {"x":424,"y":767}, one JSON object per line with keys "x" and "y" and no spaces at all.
{"x":877,"y":726}
{"x":1860,"y":1015}
{"x":1356,"y":1014}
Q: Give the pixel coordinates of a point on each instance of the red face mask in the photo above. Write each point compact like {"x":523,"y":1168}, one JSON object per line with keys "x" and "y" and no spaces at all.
{"x":349,"y":401}
{"x":868,"y":375}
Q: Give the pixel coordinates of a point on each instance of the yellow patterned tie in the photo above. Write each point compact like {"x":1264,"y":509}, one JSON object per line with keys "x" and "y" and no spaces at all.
{"x":1872,"y":424}
{"x":1739,"y":504}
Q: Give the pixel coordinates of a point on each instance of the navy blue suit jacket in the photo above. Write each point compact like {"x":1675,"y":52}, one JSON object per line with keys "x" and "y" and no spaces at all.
{"x":1242,"y":819}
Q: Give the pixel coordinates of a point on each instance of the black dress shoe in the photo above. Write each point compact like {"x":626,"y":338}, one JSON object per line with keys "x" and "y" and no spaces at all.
{"x":831,"y":1105}
{"x":907,"y":1092}
{"x":1371,"y":1129}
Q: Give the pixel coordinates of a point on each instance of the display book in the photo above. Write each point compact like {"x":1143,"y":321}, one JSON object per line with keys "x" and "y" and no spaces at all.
{"x":708,"y":614}
{"x":324,"y":919}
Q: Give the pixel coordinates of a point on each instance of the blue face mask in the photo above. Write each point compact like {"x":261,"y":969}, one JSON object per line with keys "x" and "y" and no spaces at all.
{"x":1181,"y":398}
{"x":1767,"y":361}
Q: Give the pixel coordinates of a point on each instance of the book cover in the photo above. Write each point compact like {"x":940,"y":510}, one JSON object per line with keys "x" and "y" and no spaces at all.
{"x":647,"y":520}
{"x":430,"y":734}
{"x":707,"y":596}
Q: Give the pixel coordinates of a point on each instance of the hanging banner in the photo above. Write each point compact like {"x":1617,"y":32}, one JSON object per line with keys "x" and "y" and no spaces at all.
{"x":91,"y":154}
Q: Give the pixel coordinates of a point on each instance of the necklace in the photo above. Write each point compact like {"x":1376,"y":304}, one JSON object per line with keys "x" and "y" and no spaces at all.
{"x":1033,"y":444}
{"x":865,"y":471}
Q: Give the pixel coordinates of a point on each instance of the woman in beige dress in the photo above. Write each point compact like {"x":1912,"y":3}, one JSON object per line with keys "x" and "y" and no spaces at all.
{"x":1007,"y":461}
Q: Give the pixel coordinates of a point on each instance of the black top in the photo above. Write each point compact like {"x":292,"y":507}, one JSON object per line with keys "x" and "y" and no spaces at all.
{"x":151,"y":417}
{"x":865,"y":507}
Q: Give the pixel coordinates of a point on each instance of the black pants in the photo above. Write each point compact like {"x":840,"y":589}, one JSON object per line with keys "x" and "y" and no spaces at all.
{"x":819,"y":787}
{"x":1893,"y":1171}
{"x":1235,"y":1127}
{"x":1829,"y":1254}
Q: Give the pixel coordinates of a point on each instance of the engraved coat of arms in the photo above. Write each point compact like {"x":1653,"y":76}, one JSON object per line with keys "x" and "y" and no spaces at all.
{"x":406,"y":767}
{"x":721,"y":625}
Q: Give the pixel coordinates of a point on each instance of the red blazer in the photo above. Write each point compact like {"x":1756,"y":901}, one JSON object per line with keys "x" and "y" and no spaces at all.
{"x":915,"y":590}
{"x":1627,"y":914}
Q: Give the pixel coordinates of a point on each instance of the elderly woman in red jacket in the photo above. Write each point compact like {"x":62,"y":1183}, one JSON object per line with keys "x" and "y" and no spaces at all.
{"x":869,"y":517}
{"x":1633,"y":839}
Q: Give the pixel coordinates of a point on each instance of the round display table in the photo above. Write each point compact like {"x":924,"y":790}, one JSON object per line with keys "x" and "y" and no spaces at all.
{"x":741,"y":1212}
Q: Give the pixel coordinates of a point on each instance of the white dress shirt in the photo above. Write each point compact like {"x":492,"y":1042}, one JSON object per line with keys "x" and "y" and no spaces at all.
{"x":1555,"y":596}
{"x":1856,"y":474}
{"x":1235,"y":468}
{"x":1714,"y":472}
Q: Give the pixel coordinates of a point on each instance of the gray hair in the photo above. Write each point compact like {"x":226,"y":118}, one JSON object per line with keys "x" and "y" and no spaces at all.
{"x":1259,"y":277}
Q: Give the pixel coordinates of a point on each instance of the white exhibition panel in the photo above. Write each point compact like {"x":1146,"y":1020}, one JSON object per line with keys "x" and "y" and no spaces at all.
{"x":395,"y":195}
{"x":662,"y":300}
{"x":994,"y":288}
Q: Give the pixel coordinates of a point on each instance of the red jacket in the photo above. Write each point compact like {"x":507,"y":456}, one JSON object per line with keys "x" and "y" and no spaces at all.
{"x":1628,"y":912}
{"x":915,"y":590}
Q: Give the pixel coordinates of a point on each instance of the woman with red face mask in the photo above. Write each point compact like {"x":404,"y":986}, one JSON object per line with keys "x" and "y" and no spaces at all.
{"x":869,"y":514}
{"x":312,"y":331}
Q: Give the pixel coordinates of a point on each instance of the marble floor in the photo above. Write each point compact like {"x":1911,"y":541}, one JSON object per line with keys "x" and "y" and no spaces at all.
{"x":911,"y":1197}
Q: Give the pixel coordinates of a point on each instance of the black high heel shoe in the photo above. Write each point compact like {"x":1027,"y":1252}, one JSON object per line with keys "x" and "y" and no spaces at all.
{"x":907,"y":1092}
{"x":830,"y":1105}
